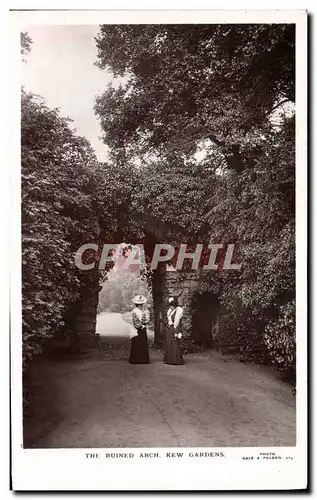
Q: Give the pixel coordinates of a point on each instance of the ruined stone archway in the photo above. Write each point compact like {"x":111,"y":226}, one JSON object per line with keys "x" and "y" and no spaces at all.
{"x":85,"y":311}
{"x":165,"y":282}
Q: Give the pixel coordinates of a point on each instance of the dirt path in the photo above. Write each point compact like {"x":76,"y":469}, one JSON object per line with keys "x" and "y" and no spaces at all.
{"x":215,"y":401}
{"x":114,"y":326}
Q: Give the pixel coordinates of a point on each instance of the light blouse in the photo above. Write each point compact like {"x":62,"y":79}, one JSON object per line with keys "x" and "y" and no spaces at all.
{"x":140,"y":317}
{"x":174,"y":315}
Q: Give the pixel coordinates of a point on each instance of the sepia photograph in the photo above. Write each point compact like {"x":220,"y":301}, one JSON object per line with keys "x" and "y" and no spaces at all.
{"x":159,"y":297}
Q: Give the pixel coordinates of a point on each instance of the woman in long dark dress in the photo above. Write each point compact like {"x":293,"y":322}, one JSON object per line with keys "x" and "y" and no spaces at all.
{"x":139,"y":353}
{"x":173,"y":354}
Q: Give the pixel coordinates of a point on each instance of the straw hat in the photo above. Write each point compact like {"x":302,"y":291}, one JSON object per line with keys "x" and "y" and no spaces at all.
{"x":139,"y":299}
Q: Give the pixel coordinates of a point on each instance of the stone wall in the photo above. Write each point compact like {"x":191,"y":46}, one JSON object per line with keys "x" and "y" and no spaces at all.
{"x":83,"y":334}
{"x":221,"y":334}
{"x":182,"y":285}
{"x":186,"y":287}
{"x":158,"y":287}
{"x":226,"y":340}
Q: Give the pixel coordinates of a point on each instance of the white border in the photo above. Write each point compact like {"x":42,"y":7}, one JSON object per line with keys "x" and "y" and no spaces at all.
{"x":69,"y":469}
{"x":27,"y":18}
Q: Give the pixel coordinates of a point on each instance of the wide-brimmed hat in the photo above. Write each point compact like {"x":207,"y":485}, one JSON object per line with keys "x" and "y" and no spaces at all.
{"x":139,"y":299}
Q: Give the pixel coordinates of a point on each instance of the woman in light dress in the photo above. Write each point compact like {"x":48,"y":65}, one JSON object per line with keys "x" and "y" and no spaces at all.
{"x":173,"y":354}
{"x":139,"y":353}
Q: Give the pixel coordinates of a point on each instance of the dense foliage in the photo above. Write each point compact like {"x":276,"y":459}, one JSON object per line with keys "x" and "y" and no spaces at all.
{"x":182,"y":83}
{"x":59,"y":177}
{"x":118,"y":290}
{"x":207,"y":113}
{"x":68,"y":199}
{"x":26,"y":42}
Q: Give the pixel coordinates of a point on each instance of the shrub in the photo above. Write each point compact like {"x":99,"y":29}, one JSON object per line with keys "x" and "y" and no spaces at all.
{"x":59,"y":173}
{"x":114,"y":308}
{"x":280,"y":338}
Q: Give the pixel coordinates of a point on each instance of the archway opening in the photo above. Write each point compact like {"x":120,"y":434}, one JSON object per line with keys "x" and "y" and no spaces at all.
{"x":205,"y":313}
{"x":118,"y":287}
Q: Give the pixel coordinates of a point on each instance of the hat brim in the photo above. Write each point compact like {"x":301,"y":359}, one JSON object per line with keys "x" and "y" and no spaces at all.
{"x":139,"y":301}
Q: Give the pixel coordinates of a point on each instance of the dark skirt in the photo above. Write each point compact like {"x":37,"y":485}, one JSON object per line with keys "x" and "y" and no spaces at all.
{"x":139,"y":353}
{"x":172,"y":351}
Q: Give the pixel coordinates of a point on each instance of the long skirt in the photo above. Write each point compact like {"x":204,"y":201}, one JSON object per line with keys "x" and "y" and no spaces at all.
{"x":139,"y":353}
{"x":172,"y":351}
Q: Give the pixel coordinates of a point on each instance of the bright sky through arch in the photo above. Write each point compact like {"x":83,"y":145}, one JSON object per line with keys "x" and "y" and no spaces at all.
{"x":60,"y":67}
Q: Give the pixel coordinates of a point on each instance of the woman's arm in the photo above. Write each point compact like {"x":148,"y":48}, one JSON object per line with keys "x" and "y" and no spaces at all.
{"x":169,"y":319}
{"x":137,"y":323}
{"x":145,"y":317}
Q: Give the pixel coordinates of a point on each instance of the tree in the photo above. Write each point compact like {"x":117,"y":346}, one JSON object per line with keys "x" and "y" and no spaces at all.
{"x":59,"y":177}
{"x":119,"y":289}
{"x":227,"y":90}
{"x":26,"y":42}
{"x":181,"y":84}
